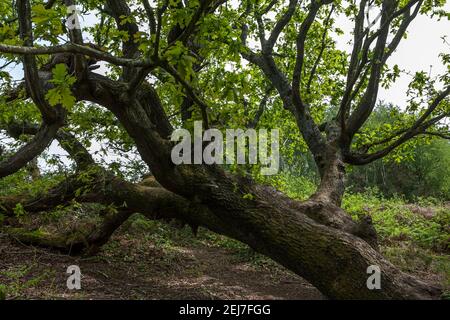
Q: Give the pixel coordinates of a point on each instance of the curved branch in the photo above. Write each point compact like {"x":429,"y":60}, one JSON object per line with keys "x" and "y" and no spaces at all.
{"x":360,"y":61}
{"x":419,"y":123}
{"x":361,"y":159}
{"x":120,"y":9}
{"x":408,"y":17}
{"x":365,"y":107}
{"x":32,"y":80}
{"x":75,"y":48}
{"x":190,"y":28}
{"x":443,"y":135}
{"x":322,"y":49}
{"x":68,"y":142}
{"x":76,"y":36}
{"x":76,"y":242}
{"x":151,"y":16}
{"x":34,"y":148}
{"x":262,"y":106}
{"x":189,"y":90}
{"x":300,"y":42}
{"x":279,"y":26}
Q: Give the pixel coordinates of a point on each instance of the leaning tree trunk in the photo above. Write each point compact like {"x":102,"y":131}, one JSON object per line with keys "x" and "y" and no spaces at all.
{"x":324,"y":251}
{"x":332,"y":259}
{"x":315,"y":239}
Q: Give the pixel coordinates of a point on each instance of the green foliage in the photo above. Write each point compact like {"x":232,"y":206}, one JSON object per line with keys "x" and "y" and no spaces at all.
{"x":19,"y":210}
{"x":294,"y":185}
{"x":61,"y":93}
{"x":425,"y":173}
{"x":19,"y":183}
{"x":395,"y":220}
{"x":17,"y":280}
{"x":232,"y":87}
{"x":47,"y":22}
{"x":420,"y":167}
{"x":2,"y":292}
{"x":248,"y":196}
{"x":163,"y":235}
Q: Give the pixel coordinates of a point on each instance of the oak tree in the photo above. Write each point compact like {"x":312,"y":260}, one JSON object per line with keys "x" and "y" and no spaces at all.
{"x":138,"y":69}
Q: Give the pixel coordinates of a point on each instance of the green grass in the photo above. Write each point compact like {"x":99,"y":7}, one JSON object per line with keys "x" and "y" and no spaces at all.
{"x":417,"y":243}
{"x":427,"y":263}
{"x":18,"y":279}
{"x":395,"y":220}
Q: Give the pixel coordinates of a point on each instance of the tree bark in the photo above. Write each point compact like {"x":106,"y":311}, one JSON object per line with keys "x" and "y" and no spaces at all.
{"x":315,"y":239}
{"x":333,"y":260}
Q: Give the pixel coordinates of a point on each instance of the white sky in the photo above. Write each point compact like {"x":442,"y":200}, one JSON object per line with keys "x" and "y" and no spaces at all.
{"x":417,"y":52}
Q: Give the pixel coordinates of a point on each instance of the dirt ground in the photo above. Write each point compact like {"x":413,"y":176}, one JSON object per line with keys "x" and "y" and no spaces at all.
{"x":135,"y":268}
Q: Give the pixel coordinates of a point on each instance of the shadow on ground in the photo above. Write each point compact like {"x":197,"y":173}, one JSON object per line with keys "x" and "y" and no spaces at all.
{"x":137,"y":268}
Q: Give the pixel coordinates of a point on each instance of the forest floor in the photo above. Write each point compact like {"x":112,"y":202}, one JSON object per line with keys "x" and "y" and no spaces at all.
{"x":153,"y":260}
{"x":141,"y":267}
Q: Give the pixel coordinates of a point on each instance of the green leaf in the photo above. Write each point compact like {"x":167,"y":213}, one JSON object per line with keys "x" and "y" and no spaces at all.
{"x":61,"y":93}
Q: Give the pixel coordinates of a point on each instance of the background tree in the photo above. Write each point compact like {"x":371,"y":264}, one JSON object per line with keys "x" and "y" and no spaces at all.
{"x":418,"y":169}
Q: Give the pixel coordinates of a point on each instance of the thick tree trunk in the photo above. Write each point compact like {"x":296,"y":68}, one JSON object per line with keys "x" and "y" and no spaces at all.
{"x":333,"y":260}
{"x":316,"y":239}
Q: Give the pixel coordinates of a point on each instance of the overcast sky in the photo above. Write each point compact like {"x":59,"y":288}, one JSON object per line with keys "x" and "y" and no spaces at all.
{"x":418,"y":52}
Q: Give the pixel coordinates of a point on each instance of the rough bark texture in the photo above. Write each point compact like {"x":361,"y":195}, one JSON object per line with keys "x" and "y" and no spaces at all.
{"x":333,"y":260}
{"x":316,"y":238}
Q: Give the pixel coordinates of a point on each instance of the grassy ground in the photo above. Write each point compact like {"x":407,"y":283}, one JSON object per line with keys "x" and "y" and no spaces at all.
{"x":153,"y":260}
{"x":415,"y":237}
